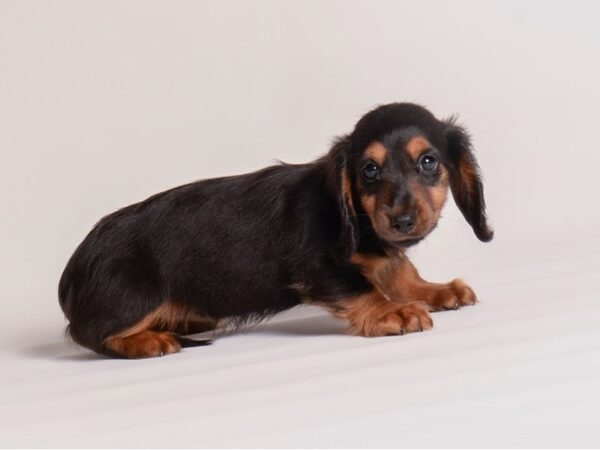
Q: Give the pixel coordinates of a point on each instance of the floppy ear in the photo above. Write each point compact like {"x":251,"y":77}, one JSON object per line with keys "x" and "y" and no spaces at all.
{"x":465,"y":180}
{"x":338,"y":181}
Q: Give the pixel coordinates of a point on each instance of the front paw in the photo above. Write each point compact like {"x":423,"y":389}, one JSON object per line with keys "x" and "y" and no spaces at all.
{"x":452,"y":295}
{"x":402,"y":319}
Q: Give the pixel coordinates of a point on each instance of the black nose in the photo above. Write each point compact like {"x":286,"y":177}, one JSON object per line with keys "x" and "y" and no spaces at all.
{"x":405,"y":223}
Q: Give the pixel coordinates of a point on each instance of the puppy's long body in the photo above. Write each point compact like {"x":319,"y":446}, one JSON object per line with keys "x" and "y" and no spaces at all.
{"x":332,"y":233}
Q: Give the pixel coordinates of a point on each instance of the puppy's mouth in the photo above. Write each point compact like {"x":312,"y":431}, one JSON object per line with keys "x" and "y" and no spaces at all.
{"x":401,"y":241}
{"x":408,"y":242}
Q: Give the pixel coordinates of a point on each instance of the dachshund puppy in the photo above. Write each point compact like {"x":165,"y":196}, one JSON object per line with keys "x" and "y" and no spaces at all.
{"x":332,"y":232}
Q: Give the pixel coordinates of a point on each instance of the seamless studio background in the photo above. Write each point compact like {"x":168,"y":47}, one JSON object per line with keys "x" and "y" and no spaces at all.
{"x":104,"y":103}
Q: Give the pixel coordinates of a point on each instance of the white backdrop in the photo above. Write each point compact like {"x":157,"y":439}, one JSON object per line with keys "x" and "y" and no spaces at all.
{"x":103,"y":103}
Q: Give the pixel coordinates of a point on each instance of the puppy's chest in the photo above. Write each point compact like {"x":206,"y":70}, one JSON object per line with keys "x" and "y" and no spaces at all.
{"x":386,"y":274}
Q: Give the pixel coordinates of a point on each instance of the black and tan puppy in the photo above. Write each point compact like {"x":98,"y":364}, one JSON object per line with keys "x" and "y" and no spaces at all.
{"x":332,"y":233}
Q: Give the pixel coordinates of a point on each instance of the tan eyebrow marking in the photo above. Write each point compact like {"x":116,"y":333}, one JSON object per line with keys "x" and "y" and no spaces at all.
{"x":416,"y":146}
{"x":377,"y":152}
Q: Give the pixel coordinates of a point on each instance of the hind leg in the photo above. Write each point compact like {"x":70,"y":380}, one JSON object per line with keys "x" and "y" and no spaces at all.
{"x":144,"y":344}
{"x":157,"y":334}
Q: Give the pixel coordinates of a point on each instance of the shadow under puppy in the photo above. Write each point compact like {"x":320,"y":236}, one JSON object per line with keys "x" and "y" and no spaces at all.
{"x":332,"y":232}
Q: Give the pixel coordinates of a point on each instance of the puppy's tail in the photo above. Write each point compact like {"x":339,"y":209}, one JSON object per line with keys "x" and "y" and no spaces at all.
{"x":187,"y":342}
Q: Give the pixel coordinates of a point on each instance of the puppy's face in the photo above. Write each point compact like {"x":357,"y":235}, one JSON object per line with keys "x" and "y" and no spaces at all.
{"x":395,"y":169}
{"x":402,"y":184}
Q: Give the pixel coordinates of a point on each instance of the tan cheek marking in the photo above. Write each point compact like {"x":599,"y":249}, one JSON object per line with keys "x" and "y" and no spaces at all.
{"x":431,"y":200}
{"x":416,"y":146}
{"x":386,"y":194}
{"x":377,"y":152}
{"x":369,"y":203}
{"x":440,"y":191}
{"x":420,"y":194}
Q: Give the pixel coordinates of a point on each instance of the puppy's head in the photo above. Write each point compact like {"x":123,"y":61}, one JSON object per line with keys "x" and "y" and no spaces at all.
{"x":395,"y":169}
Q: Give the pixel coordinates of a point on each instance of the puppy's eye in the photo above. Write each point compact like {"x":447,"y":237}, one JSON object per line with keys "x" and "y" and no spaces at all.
{"x":370,"y":171}
{"x":428,"y":164}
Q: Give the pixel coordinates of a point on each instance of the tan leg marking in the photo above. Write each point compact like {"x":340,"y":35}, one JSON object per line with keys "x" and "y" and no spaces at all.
{"x":373,"y":315}
{"x":144,"y":344}
{"x":439,"y":193}
{"x":154,"y":335}
{"x":439,"y":296}
{"x":398,"y":279}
